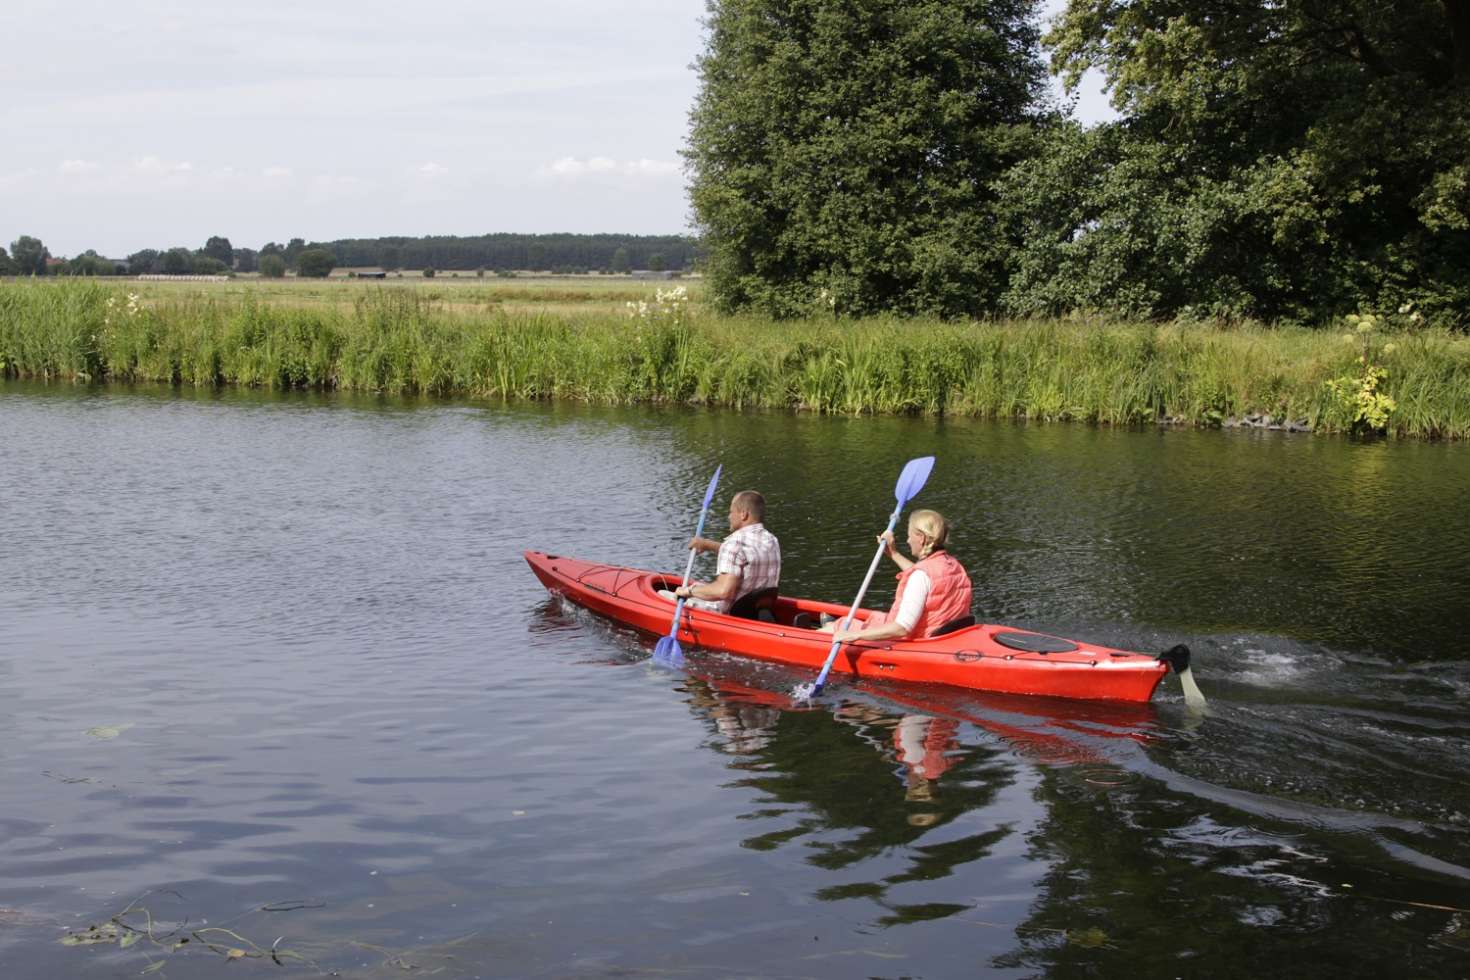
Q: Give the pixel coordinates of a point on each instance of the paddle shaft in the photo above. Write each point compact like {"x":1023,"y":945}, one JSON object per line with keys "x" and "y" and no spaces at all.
{"x":867,"y":579}
{"x":689,"y":568}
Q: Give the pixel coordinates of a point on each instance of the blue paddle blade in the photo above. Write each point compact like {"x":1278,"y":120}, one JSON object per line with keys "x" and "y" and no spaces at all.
{"x":667,"y":650}
{"x":713,"y":482}
{"x":912,"y":479}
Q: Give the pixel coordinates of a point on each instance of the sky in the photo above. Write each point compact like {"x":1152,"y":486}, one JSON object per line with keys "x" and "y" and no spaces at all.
{"x":160,"y":123}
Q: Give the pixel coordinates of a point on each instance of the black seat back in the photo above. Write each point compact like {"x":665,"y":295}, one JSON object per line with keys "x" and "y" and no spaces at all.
{"x":954,"y":624}
{"x":753,"y":604}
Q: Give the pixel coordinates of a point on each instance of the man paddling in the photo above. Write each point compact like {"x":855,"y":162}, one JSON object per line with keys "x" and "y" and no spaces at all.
{"x":749,"y":559}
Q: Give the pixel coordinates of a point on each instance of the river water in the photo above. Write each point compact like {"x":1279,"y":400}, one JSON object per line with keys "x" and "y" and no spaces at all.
{"x":277,"y":681}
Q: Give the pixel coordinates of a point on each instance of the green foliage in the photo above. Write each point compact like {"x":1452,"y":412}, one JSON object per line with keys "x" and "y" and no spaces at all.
{"x":206,"y":265}
{"x":852,"y":148}
{"x":428,"y":272}
{"x":410,"y":340}
{"x":29,"y":256}
{"x":316,"y":263}
{"x":272,"y":265}
{"x":219,"y":249}
{"x":145,"y":262}
{"x":7,"y":268}
{"x":178,"y":262}
{"x":1278,"y":160}
{"x":89,"y":263}
{"x":1357,"y":395}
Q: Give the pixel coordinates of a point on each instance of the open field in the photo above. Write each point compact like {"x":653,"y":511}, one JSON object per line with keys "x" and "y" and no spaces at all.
{"x":575,"y":339}
{"x":465,"y":293}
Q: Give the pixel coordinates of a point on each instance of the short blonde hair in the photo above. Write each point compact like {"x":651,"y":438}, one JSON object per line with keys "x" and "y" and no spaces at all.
{"x":933,"y":526}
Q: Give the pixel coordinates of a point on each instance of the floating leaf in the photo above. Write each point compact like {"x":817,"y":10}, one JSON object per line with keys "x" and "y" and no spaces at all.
{"x":108,"y":731}
{"x":235,"y":954}
{"x":129,"y":938}
{"x":105,"y":933}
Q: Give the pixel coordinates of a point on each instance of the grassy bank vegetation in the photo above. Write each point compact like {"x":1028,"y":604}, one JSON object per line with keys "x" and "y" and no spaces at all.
{"x":419,"y":340}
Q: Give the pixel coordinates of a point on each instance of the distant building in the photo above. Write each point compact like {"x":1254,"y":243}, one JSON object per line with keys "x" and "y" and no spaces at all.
{"x":371,"y":274}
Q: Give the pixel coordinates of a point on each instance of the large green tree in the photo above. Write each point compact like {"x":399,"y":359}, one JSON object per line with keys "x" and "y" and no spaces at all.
{"x":178,"y":262}
{"x":218,"y":247}
{"x":29,"y":256}
{"x":845,"y":151}
{"x":144,"y":261}
{"x":1276,"y":158}
{"x":316,"y":263}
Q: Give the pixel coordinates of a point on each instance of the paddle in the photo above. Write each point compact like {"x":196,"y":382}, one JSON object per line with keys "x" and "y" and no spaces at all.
{"x":910,"y":482}
{"x":667,"y":648}
{"x":1177,"y":657}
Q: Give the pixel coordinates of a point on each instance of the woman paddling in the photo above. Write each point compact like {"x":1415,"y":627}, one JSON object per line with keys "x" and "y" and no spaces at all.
{"x":933,"y":589}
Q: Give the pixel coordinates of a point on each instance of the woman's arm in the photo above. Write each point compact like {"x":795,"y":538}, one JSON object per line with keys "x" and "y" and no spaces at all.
{"x":888,"y":631}
{"x":899,"y":559}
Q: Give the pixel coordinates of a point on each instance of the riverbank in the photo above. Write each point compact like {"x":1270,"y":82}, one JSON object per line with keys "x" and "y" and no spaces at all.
{"x":435,"y":340}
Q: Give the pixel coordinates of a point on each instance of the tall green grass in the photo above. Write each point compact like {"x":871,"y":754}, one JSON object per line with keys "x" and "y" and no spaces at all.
{"x":404,"y":340}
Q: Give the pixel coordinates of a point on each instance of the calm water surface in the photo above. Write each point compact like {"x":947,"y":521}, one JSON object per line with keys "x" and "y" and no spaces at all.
{"x":276,"y":679}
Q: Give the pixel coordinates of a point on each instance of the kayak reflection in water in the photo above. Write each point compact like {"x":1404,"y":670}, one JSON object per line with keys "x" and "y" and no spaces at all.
{"x":749,"y":559}
{"x":934,"y":592}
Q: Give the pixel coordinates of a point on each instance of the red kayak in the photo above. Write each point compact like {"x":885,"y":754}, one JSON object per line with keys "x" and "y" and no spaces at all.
{"x":980,"y":657}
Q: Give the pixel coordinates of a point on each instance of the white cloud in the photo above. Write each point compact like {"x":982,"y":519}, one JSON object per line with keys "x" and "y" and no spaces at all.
{"x":572,"y":169}
{"x":153,"y":166}
{"x":276,"y":173}
{"x":431,"y":170}
{"x":19,"y":177}
{"x":77,"y":166}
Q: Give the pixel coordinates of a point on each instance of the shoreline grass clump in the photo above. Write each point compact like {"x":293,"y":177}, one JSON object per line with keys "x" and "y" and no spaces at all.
{"x":408,"y":340}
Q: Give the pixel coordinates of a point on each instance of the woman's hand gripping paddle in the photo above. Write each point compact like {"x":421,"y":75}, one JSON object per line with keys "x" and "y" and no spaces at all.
{"x":667,"y":648}
{"x":910,"y":482}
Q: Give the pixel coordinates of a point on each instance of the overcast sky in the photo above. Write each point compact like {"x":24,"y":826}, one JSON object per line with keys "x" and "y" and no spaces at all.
{"x":158,"y":123}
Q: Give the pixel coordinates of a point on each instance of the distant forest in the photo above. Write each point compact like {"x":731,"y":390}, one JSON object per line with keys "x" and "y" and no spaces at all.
{"x":29,"y":256}
{"x":556,"y":253}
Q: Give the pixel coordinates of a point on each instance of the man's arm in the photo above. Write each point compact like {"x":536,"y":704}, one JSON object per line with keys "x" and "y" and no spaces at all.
{"x":722,"y":589}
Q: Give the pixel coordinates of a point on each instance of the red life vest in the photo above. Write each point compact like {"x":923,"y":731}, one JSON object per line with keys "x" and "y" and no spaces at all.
{"x":949,"y":593}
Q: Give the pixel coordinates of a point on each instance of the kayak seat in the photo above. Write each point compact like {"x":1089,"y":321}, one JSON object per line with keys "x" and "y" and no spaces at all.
{"x":760,"y":604}
{"x":958,"y":623}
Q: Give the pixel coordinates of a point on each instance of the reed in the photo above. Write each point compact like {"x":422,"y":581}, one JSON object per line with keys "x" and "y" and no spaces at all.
{"x":413,"y":340}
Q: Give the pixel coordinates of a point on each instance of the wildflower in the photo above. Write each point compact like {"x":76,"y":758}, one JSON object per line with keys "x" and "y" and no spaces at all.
{"x":1389,"y":348}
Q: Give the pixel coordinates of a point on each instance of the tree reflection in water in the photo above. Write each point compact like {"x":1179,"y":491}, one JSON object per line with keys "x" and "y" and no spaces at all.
{"x":863,"y":783}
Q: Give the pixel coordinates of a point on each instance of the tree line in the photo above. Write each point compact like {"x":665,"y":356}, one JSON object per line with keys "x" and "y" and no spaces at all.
{"x":500,"y":252}
{"x":1286,"y":160}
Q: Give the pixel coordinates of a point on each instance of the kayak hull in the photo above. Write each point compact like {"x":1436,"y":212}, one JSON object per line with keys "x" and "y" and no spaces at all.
{"x":969,"y":658}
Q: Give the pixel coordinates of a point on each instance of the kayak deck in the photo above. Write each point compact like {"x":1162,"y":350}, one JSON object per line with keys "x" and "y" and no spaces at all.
{"x":983,"y":657}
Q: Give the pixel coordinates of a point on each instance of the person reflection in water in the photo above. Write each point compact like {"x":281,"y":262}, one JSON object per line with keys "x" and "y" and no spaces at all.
{"x":749,"y":559}
{"x":928,"y":747}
